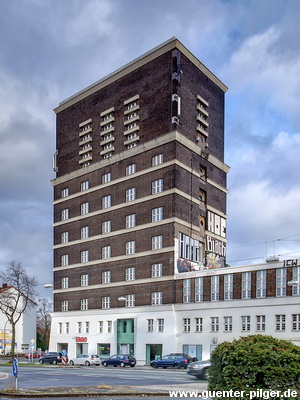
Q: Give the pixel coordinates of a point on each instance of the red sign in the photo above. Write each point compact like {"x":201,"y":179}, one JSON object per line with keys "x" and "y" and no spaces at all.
{"x":81,"y":339}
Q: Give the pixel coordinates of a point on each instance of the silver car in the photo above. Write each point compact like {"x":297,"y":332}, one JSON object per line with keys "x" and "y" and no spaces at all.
{"x":199,"y":369}
{"x":85,"y":359}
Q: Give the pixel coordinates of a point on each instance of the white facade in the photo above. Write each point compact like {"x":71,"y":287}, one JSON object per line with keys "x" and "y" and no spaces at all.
{"x":193,"y":327}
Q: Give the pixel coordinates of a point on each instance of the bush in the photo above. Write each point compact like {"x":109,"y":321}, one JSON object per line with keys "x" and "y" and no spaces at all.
{"x":255,"y":362}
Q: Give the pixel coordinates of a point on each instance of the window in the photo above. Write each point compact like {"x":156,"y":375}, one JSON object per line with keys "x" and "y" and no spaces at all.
{"x":84,"y":280}
{"x":84,"y":185}
{"x":228,"y":287}
{"x":64,"y":237}
{"x":186,"y":325}
{"x":65,"y":305}
{"x":79,"y":327}
{"x":105,"y":302}
{"x":64,"y":214}
{"x":214,"y":323}
{"x":198,"y":290}
{"x":67,"y":327}
{"x":106,"y":201}
{"x":109,"y":326}
{"x":157,"y":160}
{"x":157,"y":242}
{"x":156,"y":270}
{"x":100,"y":326}
{"x":86,"y":327}
{"x":187,"y":290}
{"x":106,"y":252}
{"x":189,"y":248}
{"x":84,"y":208}
{"x":130,"y":247}
{"x":280,"y":322}
{"x":296,"y":322}
{"x":106,"y":276}
{"x":261,"y":284}
{"x":198,"y":324}
{"x":84,"y":256}
{"x":130,"y":194}
{"x":106,"y":227}
{"x":157,"y":214}
{"x":130,"y":300}
{"x":65,"y":282}
{"x":157,"y":186}
{"x":261,"y":323}
{"x":156,"y":298}
{"x":160,"y":324}
{"x":130,"y":274}
{"x":245,"y":323}
{"x":215,"y":285}
{"x":281,"y":282}
{"x":130,"y":221}
{"x":296,"y":278}
{"x":106,"y":178}
{"x":64,"y":193}
{"x":84,"y":232}
{"x":227,"y":324}
{"x":84,"y":304}
{"x":59,"y":327}
{"x":131,"y":169}
{"x":149,"y":325}
{"x":246,"y":285}
{"x":64,"y":260}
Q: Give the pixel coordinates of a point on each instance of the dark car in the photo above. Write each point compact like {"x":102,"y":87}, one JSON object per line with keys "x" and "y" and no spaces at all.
{"x":199,"y":369}
{"x":173,"y":360}
{"x":51,"y":358}
{"x":119,"y":359}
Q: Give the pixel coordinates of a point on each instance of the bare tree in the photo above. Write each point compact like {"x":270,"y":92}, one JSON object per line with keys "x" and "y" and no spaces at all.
{"x":44,"y":323}
{"x":17,"y":292}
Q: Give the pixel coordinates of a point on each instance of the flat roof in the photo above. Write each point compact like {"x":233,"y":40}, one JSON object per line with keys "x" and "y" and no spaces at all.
{"x":137,"y":63}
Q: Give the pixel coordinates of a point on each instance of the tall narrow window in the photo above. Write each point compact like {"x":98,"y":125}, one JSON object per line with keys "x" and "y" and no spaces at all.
{"x":281,"y":282}
{"x":227,"y":324}
{"x":157,"y":186}
{"x":215,"y":288}
{"x":296,"y":278}
{"x":187,"y":290}
{"x":186,"y":325}
{"x":246,"y":285}
{"x":198,"y":289}
{"x":261,"y":284}
{"x":228,"y":287}
{"x":214,"y":324}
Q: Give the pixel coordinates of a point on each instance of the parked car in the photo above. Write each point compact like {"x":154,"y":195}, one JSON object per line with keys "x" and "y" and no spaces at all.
{"x":35,"y":354}
{"x":119,"y":359}
{"x":173,"y":360}
{"x":199,"y":369}
{"x":51,"y":358}
{"x":85,"y":359}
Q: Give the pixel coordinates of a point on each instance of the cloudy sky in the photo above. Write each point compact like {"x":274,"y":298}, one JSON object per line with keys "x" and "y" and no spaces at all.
{"x":50,"y":49}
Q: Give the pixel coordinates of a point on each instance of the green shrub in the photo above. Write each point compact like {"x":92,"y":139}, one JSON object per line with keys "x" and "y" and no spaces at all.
{"x":255,"y":362}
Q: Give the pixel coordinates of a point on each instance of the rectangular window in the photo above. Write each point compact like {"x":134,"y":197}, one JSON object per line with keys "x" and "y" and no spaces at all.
{"x":156,"y":298}
{"x":214,"y":324}
{"x":105,"y":302}
{"x":106,"y":201}
{"x":157,"y":160}
{"x":157,"y":214}
{"x":84,"y":256}
{"x":64,"y":237}
{"x":84,"y":232}
{"x":131,"y":169}
{"x":130,"y":221}
{"x":296,"y":278}
{"x":84,"y":208}
{"x":65,"y":305}
{"x":227,"y":324}
{"x":228,"y":287}
{"x":109,"y":326}
{"x":160,"y":324}
{"x":100,"y":326}
{"x":106,"y":276}
{"x":130,"y":247}
{"x":261,"y":284}
{"x":149,"y":325}
{"x":84,"y":280}
{"x":157,"y":186}
{"x":281,"y":282}
{"x":84,"y":304}
{"x":64,"y":214}
{"x":130,"y":274}
{"x":106,"y":178}
{"x":246,"y":285}
{"x":106,"y":227}
{"x":65,"y":193}
{"x":198,"y":290}
{"x":64,"y":260}
{"x":59,"y":327}
{"x":106,"y":252}
{"x":261,"y":323}
{"x":130,"y":300}
{"x":296,"y":322}
{"x":245,"y":323}
{"x":130,"y":194}
{"x":157,"y":242}
{"x":186,"y":325}
{"x":67,"y":328}
{"x":280,"y":322}
{"x":84,"y":185}
{"x":156,"y":270}
{"x":187,"y":283}
{"x":86,"y":327}
{"x":65,"y":282}
{"x":215,"y":288}
{"x":79,"y":327}
{"x":198,"y":324}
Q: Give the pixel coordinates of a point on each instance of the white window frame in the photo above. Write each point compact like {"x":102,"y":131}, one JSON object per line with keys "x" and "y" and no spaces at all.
{"x":281,"y":282}
{"x":160,"y":325}
{"x":199,"y":324}
{"x":84,"y":280}
{"x":280,"y":322}
{"x":106,"y":277}
{"x":158,"y":159}
{"x":130,"y":194}
{"x":260,"y":323}
{"x":84,"y":232}
{"x":228,"y":287}
{"x":64,"y":260}
{"x":130,"y":300}
{"x":130,"y":247}
{"x":245,"y":323}
{"x":246,"y":285}
{"x":106,"y":227}
{"x":199,"y":289}
{"x":84,"y":208}
{"x":130,"y":169}
{"x":228,"y":324}
{"x":214,"y":324}
{"x":106,"y":201}
{"x":64,"y":193}
{"x":261,"y":284}
{"x":215,"y":288}
{"x":84,"y":256}
{"x":130,"y":274}
{"x":105,"y":302}
{"x":64,"y":214}
{"x":64,"y":237}
{"x":150,"y":325}
{"x":156,"y":298}
{"x":64,"y":282}
{"x":296,"y":278}
{"x":157,"y":186}
{"x":157,"y":214}
{"x":156,"y":270}
{"x":186,"y":325}
{"x":84,"y":186}
{"x":295,"y":322}
{"x":130,"y":221}
{"x":187,"y":291}
{"x":106,"y":252}
{"x":106,"y":178}
{"x":65,"y":305}
{"x":157,"y":242}
{"x":84,"y":304}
